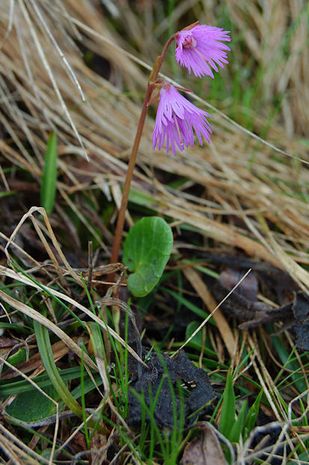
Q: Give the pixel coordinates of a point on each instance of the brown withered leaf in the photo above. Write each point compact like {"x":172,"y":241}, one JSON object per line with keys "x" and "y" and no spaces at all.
{"x":204,"y":450}
{"x":34,"y":363}
{"x":248,"y":288}
{"x":244,"y":306}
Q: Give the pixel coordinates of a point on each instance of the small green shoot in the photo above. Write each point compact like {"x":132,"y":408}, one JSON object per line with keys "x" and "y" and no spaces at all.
{"x":236,"y":425}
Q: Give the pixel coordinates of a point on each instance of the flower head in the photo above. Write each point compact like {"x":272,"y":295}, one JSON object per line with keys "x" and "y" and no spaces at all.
{"x":201,"y":48}
{"x":178,"y":121}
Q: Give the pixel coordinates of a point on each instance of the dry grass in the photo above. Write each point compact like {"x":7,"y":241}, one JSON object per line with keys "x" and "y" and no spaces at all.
{"x":241,"y":192}
{"x":276,"y":37}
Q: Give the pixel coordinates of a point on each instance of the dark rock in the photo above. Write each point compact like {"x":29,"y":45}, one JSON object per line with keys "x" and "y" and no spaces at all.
{"x":165,"y":380}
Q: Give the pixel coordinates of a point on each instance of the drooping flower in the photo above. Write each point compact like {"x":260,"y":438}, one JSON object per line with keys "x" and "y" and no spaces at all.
{"x":178,"y":121}
{"x":201,"y":49}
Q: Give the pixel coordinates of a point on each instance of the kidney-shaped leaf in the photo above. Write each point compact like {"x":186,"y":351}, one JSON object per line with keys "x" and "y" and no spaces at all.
{"x":147,"y":249}
{"x":33,"y":406}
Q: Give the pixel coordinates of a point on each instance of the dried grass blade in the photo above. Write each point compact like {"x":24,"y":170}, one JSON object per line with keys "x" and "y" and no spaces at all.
{"x":200,"y":287}
{"x":34,"y":315}
{"x":220,"y":232}
{"x":212,"y":313}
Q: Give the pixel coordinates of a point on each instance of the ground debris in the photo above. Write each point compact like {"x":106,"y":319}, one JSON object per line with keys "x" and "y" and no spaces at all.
{"x":248,"y":288}
{"x":242,"y":304}
{"x":7,"y":342}
{"x":274,"y":283}
{"x":164,"y":378}
{"x":300,"y":308}
{"x":204,"y":450}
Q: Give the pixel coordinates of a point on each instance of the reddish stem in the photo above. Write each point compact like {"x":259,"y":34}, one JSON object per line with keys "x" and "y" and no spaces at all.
{"x":132,"y":161}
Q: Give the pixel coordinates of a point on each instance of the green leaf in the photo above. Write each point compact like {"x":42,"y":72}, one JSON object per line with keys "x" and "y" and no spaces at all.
{"x":19,"y":357}
{"x":39,"y":406}
{"x":147,"y":250}
{"x":49,"y":178}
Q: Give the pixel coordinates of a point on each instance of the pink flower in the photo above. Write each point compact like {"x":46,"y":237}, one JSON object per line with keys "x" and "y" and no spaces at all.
{"x":200,"y":49}
{"x":178,"y":121}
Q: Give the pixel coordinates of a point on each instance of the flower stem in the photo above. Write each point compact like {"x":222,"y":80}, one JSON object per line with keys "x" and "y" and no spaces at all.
{"x":128,"y":179}
{"x":132,"y":161}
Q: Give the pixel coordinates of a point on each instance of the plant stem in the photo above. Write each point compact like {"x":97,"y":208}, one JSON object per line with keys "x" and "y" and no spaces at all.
{"x":128,"y":179}
{"x":132,"y":161}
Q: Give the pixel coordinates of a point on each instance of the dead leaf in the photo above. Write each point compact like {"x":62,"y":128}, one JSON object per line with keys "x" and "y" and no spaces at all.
{"x":34,"y":363}
{"x":7,"y":342}
{"x":248,"y":288}
{"x":204,"y":450}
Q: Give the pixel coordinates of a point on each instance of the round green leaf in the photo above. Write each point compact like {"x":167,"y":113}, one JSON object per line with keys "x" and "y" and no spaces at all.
{"x":147,"y":250}
{"x":32,"y":406}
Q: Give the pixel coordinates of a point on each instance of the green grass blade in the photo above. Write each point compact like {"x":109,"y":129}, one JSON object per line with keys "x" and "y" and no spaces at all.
{"x":9,"y":387}
{"x":228,"y":412}
{"x":97,"y":342}
{"x":49,"y":177}
{"x":290,"y":362}
{"x":187,"y":303}
{"x":238,"y":426}
{"x":253,"y":414}
{"x":46,"y":353}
